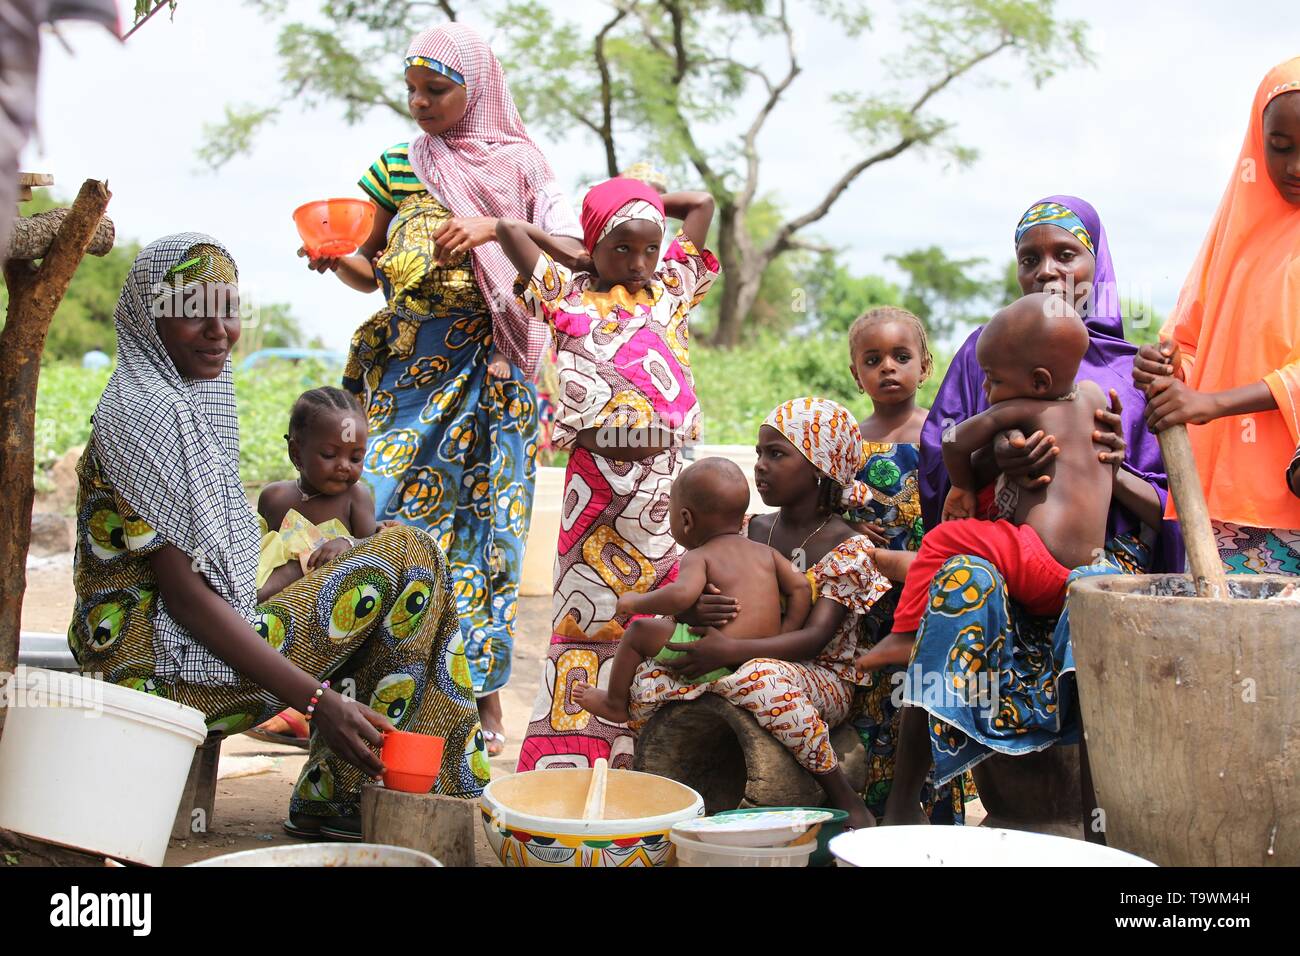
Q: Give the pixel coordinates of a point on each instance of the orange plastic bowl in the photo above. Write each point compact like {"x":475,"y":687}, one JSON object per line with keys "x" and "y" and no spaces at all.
{"x":334,"y":227}
{"x":411,"y":761}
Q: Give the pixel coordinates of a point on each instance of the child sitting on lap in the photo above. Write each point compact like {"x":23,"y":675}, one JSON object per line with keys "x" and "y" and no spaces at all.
{"x":706,"y":512}
{"x":318,"y":515}
{"x":1030,"y":353}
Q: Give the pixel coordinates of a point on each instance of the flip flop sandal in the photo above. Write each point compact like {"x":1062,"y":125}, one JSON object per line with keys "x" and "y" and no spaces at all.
{"x":342,"y":829}
{"x":337,"y":829}
{"x":300,"y":737}
{"x":303,"y":827}
{"x":493,"y":737}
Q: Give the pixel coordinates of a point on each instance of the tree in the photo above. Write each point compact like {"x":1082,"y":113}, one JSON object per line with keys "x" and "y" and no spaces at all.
{"x":837,"y":296}
{"x":84,"y":319}
{"x":946,"y":294}
{"x":667,"y":73}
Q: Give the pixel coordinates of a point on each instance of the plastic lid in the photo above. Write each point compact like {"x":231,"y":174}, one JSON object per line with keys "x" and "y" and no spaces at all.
{"x":47,"y":688}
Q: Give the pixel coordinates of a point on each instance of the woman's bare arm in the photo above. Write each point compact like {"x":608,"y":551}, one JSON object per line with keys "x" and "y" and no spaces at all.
{"x":357,"y":271}
{"x":217,"y":626}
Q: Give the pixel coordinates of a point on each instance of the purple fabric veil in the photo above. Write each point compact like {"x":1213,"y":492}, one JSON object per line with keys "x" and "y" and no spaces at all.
{"x":1108,"y":362}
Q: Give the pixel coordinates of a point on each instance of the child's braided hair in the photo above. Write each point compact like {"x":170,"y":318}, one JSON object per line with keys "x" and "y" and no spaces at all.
{"x":311,"y":403}
{"x":892,"y":313}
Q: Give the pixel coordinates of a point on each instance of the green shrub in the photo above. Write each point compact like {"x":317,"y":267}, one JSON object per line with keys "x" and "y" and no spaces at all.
{"x":737,"y":389}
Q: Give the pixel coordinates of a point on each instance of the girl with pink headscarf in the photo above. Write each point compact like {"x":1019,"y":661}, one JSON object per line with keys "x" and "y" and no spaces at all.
{"x":625,"y":407}
{"x":453,"y":442}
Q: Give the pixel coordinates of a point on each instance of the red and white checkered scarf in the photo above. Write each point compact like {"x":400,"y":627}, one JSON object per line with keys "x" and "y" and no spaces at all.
{"x":485,"y":165}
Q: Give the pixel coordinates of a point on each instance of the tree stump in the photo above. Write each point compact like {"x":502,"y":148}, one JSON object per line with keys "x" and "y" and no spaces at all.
{"x":1038,"y":792}
{"x":722,"y":753}
{"x":432,"y":823}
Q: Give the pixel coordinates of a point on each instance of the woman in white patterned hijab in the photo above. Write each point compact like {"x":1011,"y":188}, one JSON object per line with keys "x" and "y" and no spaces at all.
{"x":166,"y":564}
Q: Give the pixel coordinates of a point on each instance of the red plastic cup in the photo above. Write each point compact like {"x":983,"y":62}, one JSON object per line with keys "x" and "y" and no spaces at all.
{"x":411,"y":761}
{"x":334,"y":227}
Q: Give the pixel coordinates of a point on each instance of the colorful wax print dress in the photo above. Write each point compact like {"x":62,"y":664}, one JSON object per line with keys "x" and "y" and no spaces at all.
{"x":798,"y":702}
{"x":451,"y":450}
{"x":1007,"y":677}
{"x":622,"y":364}
{"x":380,"y":616}
{"x":891,"y":473}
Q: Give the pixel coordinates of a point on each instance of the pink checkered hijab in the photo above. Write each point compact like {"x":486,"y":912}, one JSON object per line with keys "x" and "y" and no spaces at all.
{"x":485,"y":165}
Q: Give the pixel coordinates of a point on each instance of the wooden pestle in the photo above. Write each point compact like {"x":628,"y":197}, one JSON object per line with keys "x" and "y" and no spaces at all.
{"x":595,"y":806}
{"x":1189,"y":501}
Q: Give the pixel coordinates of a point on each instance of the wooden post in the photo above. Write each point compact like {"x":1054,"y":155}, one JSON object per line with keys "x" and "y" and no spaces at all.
{"x":440,"y":826}
{"x":34,"y":294}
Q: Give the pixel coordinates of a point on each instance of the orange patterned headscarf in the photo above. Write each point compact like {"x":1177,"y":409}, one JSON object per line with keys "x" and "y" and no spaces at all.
{"x":825,"y":433}
{"x":1238,"y":321}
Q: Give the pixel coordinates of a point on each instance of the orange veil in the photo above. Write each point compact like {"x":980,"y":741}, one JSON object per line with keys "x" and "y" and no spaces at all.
{"x":1238,"y":321}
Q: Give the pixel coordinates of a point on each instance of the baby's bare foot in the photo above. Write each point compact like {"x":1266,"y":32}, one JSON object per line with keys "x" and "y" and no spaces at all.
{"x":892,"y":649}
{"x":498,"y":367}
{"x":600,"y":703}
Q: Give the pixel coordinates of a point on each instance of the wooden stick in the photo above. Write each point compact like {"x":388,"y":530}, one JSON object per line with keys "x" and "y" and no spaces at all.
{"x":1189,"y":500}
{"x":33,"y":235}
{"x":595,"y":807}
{"x":34,"y":294}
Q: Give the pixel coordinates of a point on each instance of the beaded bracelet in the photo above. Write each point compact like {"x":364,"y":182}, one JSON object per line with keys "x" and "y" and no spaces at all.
{"x":315,"y":699}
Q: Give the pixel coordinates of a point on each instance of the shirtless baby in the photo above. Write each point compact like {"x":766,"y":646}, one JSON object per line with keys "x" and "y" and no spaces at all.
{"x":707,"y":508}
{"x":1030,"y":353}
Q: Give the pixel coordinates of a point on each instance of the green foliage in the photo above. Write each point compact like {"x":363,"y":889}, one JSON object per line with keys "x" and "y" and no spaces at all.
{"x":84,"y":319}
{"x":782,"y":291}
{"x":837,"y":297}
{"x":234,"y":135}
{"x":67,"y":395}
{"x":65,"y":399}
{"x":946,"y":294}
{"x":265,"y":395}
{"x":1141,"y":322}
{"x":738,"y":387}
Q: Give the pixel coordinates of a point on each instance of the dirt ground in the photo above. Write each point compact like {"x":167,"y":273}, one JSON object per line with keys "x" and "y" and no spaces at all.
{"x":249,"y":809}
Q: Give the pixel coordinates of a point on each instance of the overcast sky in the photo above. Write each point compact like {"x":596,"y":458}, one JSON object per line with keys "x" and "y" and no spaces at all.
{"x":1149,"y":136}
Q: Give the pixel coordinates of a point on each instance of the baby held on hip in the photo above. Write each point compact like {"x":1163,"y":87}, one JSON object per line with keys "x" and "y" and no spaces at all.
{"x":707,"y":505}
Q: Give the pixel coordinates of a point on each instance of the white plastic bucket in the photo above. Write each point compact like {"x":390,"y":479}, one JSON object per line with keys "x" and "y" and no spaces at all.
{"x":695,"y":853}
{"x":970,"y":846}
{"x":94,"y":766}
{"x":324,"y":854}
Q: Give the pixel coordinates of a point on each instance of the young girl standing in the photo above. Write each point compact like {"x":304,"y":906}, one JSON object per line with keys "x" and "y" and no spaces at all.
{"x":625,"y":407}
{"x":889,"y":356}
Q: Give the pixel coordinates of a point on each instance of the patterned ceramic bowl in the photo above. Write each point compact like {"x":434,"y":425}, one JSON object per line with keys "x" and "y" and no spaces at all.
{"x":535,"y":818}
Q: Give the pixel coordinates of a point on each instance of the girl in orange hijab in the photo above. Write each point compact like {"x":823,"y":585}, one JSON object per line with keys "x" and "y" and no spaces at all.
{"x":1228,"y":363}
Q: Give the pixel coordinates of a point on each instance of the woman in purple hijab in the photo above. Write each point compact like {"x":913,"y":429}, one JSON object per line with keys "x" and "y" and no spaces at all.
{"x":1017,"y":670}
{"x":1061,"y":245}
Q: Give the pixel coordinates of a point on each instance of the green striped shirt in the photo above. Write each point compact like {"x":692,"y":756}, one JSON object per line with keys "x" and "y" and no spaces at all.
{"x":391,"y":179}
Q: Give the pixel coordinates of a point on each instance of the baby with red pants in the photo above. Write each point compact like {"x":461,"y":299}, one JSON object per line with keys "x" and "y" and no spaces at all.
{"x":1030,"y":353}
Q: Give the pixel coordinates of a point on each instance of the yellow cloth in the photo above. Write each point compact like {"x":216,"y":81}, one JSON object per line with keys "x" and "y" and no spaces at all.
{"x":296,"y":539}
